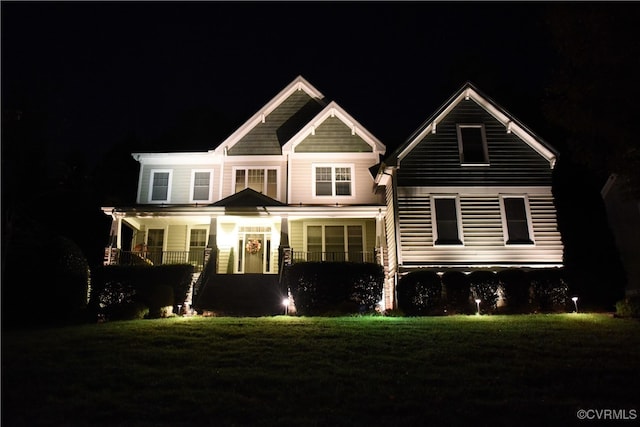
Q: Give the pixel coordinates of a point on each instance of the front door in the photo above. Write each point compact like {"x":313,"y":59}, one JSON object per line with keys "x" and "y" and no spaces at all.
{"x":254,"y":253}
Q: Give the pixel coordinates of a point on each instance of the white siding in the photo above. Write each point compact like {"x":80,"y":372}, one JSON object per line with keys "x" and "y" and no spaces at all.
{"x":181,"y":177}
{"x":301,"y":180}
{"x":482,"y":226}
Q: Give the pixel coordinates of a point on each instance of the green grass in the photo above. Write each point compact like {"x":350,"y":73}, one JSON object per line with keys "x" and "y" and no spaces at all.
{"x":458,"y":370}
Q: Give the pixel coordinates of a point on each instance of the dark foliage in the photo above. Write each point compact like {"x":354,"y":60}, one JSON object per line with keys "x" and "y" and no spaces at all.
{"x":321,"y":288}
{"x":484,"y":285}
{"x":457,"y":292}
{"x":58,"y":287}
{"x":154,"y":287}
{"x":628,"y":307}
{"x":420,"y":293}
{"x":549,"y":291}
{"x":516,"y":290}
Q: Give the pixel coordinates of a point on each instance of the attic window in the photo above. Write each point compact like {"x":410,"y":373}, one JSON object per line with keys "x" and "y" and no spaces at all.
{"x":472,"y":143}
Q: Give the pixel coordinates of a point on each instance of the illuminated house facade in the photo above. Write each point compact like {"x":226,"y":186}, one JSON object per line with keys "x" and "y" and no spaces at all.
{"x":469,"y":190}
{"x":291,"y":184}
{"x":302,"y":180}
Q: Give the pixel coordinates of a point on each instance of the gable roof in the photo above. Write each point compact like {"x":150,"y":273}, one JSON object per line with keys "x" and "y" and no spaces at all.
{"x":330,"y":111}
{"x":291,"y":126}
{"x":469,"y":91}
{"x":247,"y":198}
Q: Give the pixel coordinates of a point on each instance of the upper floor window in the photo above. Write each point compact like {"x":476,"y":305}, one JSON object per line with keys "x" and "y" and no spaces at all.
{"x":472,"y":143}
{"x":202,"y":185}
{"x":332,"y":180}
{"x":160,"y":186}
{"x":516,"y":221}
{"x":447,"y":228}
{"x":263,"y":181}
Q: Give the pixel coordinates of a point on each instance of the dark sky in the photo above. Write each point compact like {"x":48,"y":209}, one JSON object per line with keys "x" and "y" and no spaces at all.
{"x":102,"y":71}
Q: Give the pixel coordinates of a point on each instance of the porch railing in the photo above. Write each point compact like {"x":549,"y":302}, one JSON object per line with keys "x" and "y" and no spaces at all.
{"x":351,"y":256}
{"x":193,"y":257}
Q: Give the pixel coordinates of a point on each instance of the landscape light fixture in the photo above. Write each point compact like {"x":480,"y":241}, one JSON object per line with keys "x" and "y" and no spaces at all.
{"x":575,"y":302}
{"x":285,"y":302}
{"x":478,"y":305}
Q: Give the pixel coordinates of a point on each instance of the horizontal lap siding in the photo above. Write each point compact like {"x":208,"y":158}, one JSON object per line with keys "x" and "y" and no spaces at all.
{"x":435,"y":161}
{"x":181,"y":176}
{"x":302,"y":181}
{"x":482,"y":232}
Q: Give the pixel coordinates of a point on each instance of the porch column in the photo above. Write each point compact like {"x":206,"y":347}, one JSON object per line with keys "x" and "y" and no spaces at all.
{"x":115,"y":239}
{"x":211,"y":251}
{"x":284,"y":249}
{"x":380,"y":238}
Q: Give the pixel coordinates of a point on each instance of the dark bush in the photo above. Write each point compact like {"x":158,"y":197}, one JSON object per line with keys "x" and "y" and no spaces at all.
{"x":457,"y":292}
{"x":548,"y":291}
{"x":126,"y":311}
{"x":60,"y":284}
{"x":516,"y":289}
{"x":420,"y":293}
{"x":320,"y":288}
{"x":484,"y":286}
{"x":628,"y":307}
{"x":152,"y":286}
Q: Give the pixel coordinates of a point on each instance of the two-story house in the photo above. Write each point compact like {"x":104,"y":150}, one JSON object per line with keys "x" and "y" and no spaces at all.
{"x":302,"y":180}
{"x":293,"y":181}
{"x":470,"y":189}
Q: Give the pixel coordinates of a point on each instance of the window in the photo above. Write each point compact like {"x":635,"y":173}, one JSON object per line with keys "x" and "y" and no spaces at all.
{"x":202,"y":183}
{"x":447,"y":227}
{"x":197,"y":244}
{"x":335,"y":243}
{"x":263,"y":181}
{"x":516,"y":221}
{"x":472,"y":144}
{"x":333,"y":180}
{"x":160,"y":186}
{"x":155,"y":245}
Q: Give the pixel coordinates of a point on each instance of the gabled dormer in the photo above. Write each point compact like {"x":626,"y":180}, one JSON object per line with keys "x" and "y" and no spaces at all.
{"x":470,"y":140}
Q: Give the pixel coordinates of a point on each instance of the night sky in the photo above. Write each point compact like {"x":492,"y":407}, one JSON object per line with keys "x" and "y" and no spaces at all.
{"x":101,"y":72}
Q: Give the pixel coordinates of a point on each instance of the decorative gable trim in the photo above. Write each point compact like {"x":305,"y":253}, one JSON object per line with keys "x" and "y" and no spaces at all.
{"x":334,"y":110}
{"x":299,"y":83}
{"x":469,"y":92}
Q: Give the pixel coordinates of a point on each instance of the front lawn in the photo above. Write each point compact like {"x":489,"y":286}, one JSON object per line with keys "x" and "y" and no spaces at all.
{"x":291,"y":371}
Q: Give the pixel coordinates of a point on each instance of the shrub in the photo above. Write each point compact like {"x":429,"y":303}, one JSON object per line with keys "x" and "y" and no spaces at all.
{"x":126,"y":311}
{"x":484,"y":286}
{"x":153,"y":286}
{"x":457,"y":292}
{"x":549,"y":290}
{"x":420,"y":293}
{"x":628,"y":307}
{"x":335,"y":287}
{"x":516,"y":289}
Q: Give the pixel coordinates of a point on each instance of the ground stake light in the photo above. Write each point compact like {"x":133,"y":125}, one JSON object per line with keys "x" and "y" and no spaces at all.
{"x":285,"y":302}
{"x":575,"y":302}
{"x":478,"y":305}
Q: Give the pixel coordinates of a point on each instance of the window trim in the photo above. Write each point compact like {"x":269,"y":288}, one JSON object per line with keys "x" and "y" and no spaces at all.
{"x":333,"y":167}
{"x":152,"y":176}
{"x":485,"y":149}
{"x":266,"y":174}
{"x":505,"y":227}
{"x":193,"y":183}
{"x":434,"y":219}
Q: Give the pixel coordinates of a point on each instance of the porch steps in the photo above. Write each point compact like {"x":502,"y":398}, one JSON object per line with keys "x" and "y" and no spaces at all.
{"x":241,"y":295}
